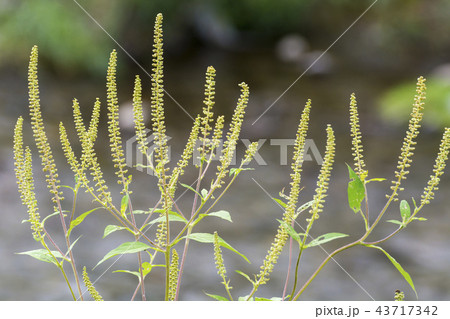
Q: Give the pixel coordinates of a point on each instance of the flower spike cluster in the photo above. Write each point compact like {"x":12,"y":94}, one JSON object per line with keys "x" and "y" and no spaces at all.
{"x":113,"y":122}
{"x":157,"y":102}
{"x":324,"y":177}
{"x":439,"y":168}
{"x":48,"y":163}
{"x":139,"y":116}
{"x":282,"y":234}
{"x":173,"y":276}
{"x":25,"y":182}
{"x":91,"y":289}
{"x":408,"y":147}
{"x":357,"y":147}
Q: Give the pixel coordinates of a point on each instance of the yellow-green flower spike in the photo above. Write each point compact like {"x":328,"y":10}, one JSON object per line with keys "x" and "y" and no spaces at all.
{"x":282,"y":235}
{"x":48,"y":163}
{"x":208,"y":101}
{"x":90,"y":287}
{"x":229,"y":146}
{"x":25,"y":182}
{"x":173,"y":280}
{"x":221,"y":271}
{"x":186,"y":156}
{"x":157,"y":102}
{"x":78,"y":119}
{"x":139,"y":116}
{"x":408,"y":147}
{"x":438,"y":170}
{"x":357,"y":147}
{"x":93,"y":125}
{"x":113,"y":122}
{"x":70,"y":155}
{"x":324,"y":176}
{"x":250,"y":153}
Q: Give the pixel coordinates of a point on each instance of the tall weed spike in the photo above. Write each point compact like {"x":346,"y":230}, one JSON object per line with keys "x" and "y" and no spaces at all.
{"x":439,"y":168}
{"x":173,"y":276}
{"x":357,"y":146}
{"x":48,"y":163}
{"x":408,"y":147}
{"x":139,"y":116}
{"x":91,"y":289}
{"x":113,"y":122}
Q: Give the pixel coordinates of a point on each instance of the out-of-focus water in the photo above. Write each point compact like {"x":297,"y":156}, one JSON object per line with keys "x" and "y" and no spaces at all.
{"x":358,"y":274}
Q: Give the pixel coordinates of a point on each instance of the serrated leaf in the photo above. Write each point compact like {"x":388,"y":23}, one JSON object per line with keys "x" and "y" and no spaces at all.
{"x":77,"y":221}
{"x":43,"y":255}
{"x":209,"y":238}
{"x":322,"y":239}
{"x":398,"y":266}
{"x":111,"y":229}
{"x":245,"y":276}
{"x":405,"y":210}
{"x":217,"y":297}
{"x":398,"y":222}
{"x":125,"y":248}
{"x":124,"y":204}
{"x":355,"y":190}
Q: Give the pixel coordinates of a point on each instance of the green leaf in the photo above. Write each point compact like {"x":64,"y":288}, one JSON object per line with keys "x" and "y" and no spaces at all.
{"x":111,"y":229}
{"x":43,"y":255}
{"x":124,"y":204}
{"x":398,"y":266}
{"x":322,"y":239}
{"x":405,"y":210}
{"x":209,"y":238}
{"x":71,"y":246}
{"x":420,"y":219}
{"x":77,"y":221}
{"x":355,"y":190}
{"x":125,"y":248}
{"x":291,"y":231}
{"x":393,"y":221}
{"x":190,"y":188}
{"x":135,"y":273}
{"x":245,"y":276}
{"x":204,"y":193}
{"x":237,"y":170}
{"x":173,"y":217}
{"x":222,"y":214}
{"x":217,"y":297}
{"x":280,"y":202}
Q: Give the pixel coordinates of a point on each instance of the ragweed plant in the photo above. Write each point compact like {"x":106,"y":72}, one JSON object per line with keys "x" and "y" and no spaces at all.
{"x":155,"y":248}
{"x":357,"y":193}
{"x":152,"y":248}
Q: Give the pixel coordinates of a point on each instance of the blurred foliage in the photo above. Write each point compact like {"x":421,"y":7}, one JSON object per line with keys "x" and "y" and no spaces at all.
{"x":396,"y":103}
{"x":398,"y":30}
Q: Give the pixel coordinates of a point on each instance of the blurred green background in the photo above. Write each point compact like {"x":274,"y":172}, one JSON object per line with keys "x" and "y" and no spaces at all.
{"x":267,"y":44}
